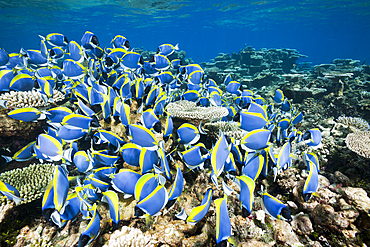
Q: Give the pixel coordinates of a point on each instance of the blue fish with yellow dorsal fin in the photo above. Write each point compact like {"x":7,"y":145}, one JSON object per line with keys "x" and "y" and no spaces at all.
{"x":83,"y":161}
{"x":195,"y":77}
{"x":27,"y":114}
{"x":92,"y":229}
{"x":120,"y":41}
{"x":312,"y":182}
{"x":10,"y":192}
{"x":168,"y":128}
{"x":256,"y":108}
{"x":312,"y":138}
{"x":195,"y":156}
{"x":307,"y":157}
{"x":73,"y":69}
{"x":152,"y":203}
{"x":131,"y":60}
{"x":147,"y":160}
{"x":25,"y":153}
{"x":69,"y":134}
{"x":6,"y":77}
{"x":83,"y":108}
{"x":55,"y":39}
{"x":143,"y":137}
{"x":56,"y":53}
{"x":4,"y":57}
{"x":167,"y":49}
{"x":151,"y":121}
{"x":164,"y":162}
{"x":75,"y":52}
{"x":22,"y":82}
{"x":71,"y":208}
{"x":191,"y":95}
{"x":297,"y":118}
{"x":176,"y":188}
{"x":125,"y":114}
{"x":46,"y":88}
{"x":105,"y":173}
{"x":145,"y":185}
{"x":112,"y":198}
{"x":253,"y":167}
{"x":223,"y":225}
{"x":255,"y":140}
{"x":96,"y":182}
{"x":189,"y":134}
{"x":279,"y":96}
{"x":57,"y":114}
{"x":124,"y":182}
{"x":219,"y":155}
{"x":77,"y":120}
{"x":102,"y":159}
{"x":284,"y":159}
{"x":246,"y":197}
{"x":89,"y":40}
{"x":252,"y":120}
{"x":198,"y":212}
{"x":160,"y":62}
{"x":274,"y":207}
{"x":49,"y":146}
{"x":130,"y":153}
{"x":33,"y":58}
{"x":227,"y":79}
{"x":233,"y":87}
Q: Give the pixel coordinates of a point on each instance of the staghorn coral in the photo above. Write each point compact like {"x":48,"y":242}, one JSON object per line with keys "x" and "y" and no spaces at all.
{"x":359,"y":142}
{"x":129,"y":236}
{"x":230,"y":129}
{"x":30,"y":181}
{"x":356,"y":122}
{"x":18,"y":99}
{"x":188,"y":110}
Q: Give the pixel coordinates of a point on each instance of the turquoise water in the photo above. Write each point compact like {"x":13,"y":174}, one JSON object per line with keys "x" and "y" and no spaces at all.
{"x":323,"y":30}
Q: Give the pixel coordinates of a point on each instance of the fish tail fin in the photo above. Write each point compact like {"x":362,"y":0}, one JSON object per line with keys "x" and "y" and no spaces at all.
{"x":42,"y":37}
{"x":182,"y":215}
{"x":177,"y":47}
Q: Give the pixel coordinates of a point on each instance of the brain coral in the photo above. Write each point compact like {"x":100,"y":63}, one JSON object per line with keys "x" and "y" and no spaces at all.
{"x":30,"y":181}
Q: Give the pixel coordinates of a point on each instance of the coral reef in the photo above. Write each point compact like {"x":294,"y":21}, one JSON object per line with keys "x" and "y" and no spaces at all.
{"x":188,"y":110}
{"x":19,"y":99}
{"x":355,"y":122}
{"x":129,"y":236}
{"x":30,"y":181}
{"x":359,"y":142}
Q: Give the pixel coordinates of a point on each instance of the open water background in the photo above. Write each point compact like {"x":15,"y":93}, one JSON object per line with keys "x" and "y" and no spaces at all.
{"x":323,"y":30}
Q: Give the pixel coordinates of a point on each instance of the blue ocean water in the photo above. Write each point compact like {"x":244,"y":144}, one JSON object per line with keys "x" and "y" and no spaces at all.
{"x":322,"y":30}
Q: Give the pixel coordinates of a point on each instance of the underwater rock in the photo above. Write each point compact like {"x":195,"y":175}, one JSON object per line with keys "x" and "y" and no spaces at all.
{"x":358,"y":197}
{"x":284,"y":234}
{"x":302,"y":224}
{"x":17,"y":134}
{"x":129,"y":236}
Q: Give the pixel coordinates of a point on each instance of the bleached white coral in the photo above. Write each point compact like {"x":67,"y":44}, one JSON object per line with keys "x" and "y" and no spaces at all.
{"x":356,"y":122}
{"x":129,"y":236}
{"x":18,"y":99}
{"x":189,"y":110}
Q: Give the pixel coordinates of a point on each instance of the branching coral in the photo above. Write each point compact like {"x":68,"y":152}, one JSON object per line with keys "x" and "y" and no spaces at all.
{"x":20,"y":99}
{"x":29,"y":181}
{"x":356,"y":122}
{"x":359,"y":142}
